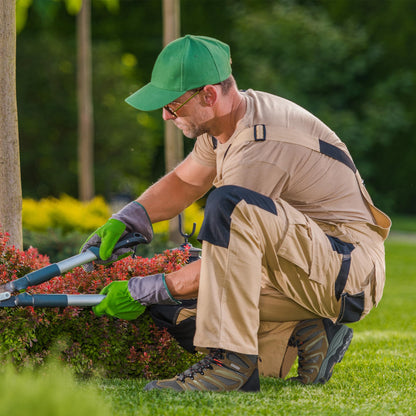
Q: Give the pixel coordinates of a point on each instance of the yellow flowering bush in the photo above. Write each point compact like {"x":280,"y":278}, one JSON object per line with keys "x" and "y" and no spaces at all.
{"x":65,"y":213}
{"x":69,"y":214}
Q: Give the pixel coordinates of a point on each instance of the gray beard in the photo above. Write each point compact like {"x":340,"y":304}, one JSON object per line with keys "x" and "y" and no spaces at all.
{"x":193,"y":131}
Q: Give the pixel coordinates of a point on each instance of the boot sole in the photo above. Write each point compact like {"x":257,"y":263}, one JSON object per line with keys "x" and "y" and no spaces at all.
{"x":335,"y":354}
{"x":252,"y":385}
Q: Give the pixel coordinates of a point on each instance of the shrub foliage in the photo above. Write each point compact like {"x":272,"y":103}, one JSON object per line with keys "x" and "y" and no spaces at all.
{"x":57,"y":227}
{"x":67,"y":215}
{"x":90,"y":345}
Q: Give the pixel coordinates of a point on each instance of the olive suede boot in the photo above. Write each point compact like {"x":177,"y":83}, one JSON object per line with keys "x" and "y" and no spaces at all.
{"x":220,"y":370}
{"x":321,"y":344}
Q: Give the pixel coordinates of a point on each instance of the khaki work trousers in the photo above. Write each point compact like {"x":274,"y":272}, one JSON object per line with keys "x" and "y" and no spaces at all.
{"x":276,"y":267}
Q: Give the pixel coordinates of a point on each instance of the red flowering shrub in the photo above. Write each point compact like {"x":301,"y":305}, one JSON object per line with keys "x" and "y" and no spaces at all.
{"x":91,"y":345}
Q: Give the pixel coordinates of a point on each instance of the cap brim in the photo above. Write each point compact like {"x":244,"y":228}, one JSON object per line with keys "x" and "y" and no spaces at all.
{"x":150,"y":98}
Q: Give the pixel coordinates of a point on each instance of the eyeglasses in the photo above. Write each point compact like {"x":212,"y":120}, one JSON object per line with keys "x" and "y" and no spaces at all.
{"x":174,"y":112}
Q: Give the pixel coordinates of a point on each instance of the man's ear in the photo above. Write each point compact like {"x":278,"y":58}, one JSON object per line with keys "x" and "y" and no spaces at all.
{"x":209,"y":95}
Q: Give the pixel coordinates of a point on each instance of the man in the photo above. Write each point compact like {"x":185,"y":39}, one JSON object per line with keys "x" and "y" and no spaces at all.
{"x":292,"y":246}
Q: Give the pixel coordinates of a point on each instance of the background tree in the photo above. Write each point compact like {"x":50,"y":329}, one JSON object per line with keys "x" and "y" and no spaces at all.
{"x":299,"y":54}
{"x":82,"y":10}
{"x":47,"y":77}
{"x":85,"y":104}
{"x":10,"y":182}
{"x":390,"y":107}
{"x":173,"y":136}
{"x":347,"y":61}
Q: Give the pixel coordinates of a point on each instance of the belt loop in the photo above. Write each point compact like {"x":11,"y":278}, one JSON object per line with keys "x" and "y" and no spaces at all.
{"x":259,"y":132}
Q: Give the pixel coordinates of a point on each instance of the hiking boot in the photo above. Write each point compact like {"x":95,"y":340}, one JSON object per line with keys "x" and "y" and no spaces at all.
{"x":321,"y":344}
{"x":220,"y":370}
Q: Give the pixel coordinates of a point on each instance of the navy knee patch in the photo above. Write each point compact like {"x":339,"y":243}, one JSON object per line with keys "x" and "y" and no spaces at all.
{"x":345,"y":250}
{"x":220,"y":205}
{"x":352,"y":306}
{"x":166,"y":316}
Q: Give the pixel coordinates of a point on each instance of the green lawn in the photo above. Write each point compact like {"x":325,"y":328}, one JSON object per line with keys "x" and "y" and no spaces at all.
{"x":376,"y":377}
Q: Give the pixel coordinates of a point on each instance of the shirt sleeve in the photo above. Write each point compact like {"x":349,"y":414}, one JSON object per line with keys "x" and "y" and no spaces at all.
{"x":204,"y":151}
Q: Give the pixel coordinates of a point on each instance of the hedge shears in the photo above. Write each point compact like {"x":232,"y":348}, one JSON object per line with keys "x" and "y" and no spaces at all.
{"x":7,"y":299}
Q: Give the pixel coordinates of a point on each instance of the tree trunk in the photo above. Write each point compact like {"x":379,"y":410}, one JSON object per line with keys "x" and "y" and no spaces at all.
{"x":173,"y":136}
{"x":85,"y":107}
{"x":10,"y":180}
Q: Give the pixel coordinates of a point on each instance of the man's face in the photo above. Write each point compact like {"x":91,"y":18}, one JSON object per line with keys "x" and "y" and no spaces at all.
{"x":187,"y":114}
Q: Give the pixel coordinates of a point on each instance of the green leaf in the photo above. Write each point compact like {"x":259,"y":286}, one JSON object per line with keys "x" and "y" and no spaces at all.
{"x":73,"y":6}
{"x":22,"y":7}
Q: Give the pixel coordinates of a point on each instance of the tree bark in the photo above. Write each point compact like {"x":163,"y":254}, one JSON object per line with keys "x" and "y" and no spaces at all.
{"x":10,"y":179}
{"x":85,"y":105}
{"x":173,"y":136}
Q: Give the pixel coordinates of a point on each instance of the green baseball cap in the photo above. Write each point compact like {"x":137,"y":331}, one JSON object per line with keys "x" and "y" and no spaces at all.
{"x":184,"y":64}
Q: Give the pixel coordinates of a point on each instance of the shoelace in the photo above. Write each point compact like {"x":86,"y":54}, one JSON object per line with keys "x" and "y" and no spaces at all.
{"x":213,"y":358}
{"x":293,"y":342}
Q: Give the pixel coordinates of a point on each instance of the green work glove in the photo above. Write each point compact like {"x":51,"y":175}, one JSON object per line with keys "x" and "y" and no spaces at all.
{"x":109,"y":234}
{"x":106,"y":237}
{"x":132,"y":218}
{"x":119,"y":302}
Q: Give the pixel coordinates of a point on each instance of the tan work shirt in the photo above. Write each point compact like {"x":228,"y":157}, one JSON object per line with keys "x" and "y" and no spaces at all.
{"x":313,"y":183}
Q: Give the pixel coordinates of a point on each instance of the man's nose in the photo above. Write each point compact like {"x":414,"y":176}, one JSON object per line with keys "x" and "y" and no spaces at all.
{"x":166,"y":115}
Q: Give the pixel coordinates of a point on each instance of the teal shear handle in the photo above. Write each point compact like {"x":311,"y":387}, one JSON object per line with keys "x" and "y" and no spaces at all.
{"x":46,"y":273}
{"x":51,"y":301}
{"x":56,"y":269}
